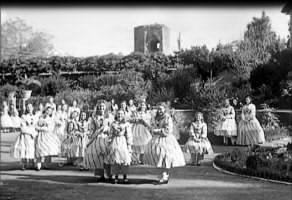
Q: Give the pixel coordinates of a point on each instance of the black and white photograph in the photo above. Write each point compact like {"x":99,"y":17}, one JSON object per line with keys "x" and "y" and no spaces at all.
{"x":146,"y":101}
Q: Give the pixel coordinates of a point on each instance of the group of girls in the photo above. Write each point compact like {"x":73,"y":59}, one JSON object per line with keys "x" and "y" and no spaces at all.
{"x":241,"y":130}
{"x":110,"y":140}
{"x":121,"y":135}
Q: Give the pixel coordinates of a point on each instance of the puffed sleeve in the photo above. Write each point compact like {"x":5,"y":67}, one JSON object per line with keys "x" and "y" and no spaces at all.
{"x":253,"y":110}
{"x":191,"y":131}
{"x":242,"y":113}
{"x":129,"y":136}
{"x":204,"y":131}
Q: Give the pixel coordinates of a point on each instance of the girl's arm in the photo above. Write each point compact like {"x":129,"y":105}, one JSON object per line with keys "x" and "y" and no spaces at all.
{"x":204,"y":131}
{"x":167,"y":127}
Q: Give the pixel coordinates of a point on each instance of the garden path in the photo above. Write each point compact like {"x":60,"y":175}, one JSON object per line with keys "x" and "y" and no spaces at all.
{"x":203,"y":182}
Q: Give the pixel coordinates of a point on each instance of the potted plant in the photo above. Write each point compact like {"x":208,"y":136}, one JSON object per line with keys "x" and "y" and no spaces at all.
{"x":26,"y":85}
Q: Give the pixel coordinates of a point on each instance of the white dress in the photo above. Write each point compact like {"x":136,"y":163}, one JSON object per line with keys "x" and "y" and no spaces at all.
{"x":119,"y":141}
{"x":5,"y":120}
{"x":47,"y":142}
{"x":97,"y":148}
{"x":250,"y":131}
{"x":24,"y":146}
{"x":73,"y":109}
{"x":141,"y":133}
{"x":60,"y":125}
{"x":163,"y":150}
{"x":198,"y":141}
{"x":227,"y":124}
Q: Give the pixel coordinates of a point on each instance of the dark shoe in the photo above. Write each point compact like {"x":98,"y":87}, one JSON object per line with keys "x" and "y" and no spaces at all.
{"x":116,"y":181}
{"x":101,"y":179}
{"x":23,"y":168}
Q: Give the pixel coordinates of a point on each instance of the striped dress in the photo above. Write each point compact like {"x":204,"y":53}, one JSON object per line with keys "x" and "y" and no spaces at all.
{"x":250,"y":131}
{"x":120,"y":141}
{"x":47,"y":142}
{"x":24,"y":146}
{"x":198,"y":141}
{"x":141,"y":133}
{"x":98,"y":147}
{"x":163,"y":150}
{"x":80,"y":139}
{"x":227,"y":124}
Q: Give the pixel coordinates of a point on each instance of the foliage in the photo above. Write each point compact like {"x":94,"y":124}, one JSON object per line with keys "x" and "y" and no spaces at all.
{"x":52,"y":85}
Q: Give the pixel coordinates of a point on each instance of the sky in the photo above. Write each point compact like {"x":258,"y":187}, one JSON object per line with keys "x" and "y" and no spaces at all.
{"x":89,"y":31}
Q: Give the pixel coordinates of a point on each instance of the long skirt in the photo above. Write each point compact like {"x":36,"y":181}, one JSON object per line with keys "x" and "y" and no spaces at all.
{"x":202,"y":147}
{"x":96,"y":153}
{"x":250,"y":132}
{"x":118,"y":151}
{"x":47,"y":144}
{"x":141,"y":137}
{"x":24,"y":147}
{"x":164,"y":152}
{"x":227,"y":128}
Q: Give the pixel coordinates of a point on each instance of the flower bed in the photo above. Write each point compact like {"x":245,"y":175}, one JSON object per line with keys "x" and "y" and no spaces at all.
{"x":268,"y":163}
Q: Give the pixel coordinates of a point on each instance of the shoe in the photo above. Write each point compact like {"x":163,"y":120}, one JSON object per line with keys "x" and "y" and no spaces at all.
{"x":125,"y":181}
{"x":23,"y":168}
{"x":116,"y":181}
{"x":101,"y":179}
{"x":38,"y":169}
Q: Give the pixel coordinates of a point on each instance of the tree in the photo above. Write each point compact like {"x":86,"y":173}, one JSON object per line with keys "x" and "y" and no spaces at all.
{"x":260,"y":42}
{"x":18,"y":39}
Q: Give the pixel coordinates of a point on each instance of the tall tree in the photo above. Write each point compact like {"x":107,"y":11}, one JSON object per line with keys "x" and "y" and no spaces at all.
{"x":18,"y":39}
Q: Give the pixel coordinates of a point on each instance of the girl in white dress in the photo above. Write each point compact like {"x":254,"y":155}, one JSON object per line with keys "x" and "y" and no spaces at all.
{"x":128,"y":114}
{"x":14,"y":116}
{"x":250,"y":131}
{"x":40,"y":111}
{"x":131,"y":107}
{"x":113,"y":107}
{"x":227,"y":125}
{"x":5,"y":120}
{"x":47,"y":142}
{"x":52,"y":104}
{"x":74,"y":108}
{"x":198,"y":143}
{"x":60,"y":123}
{"x":120,"y":145}
{"x":97,"y":150}
{"x":81,"y":139}
{"x":163,"y":150}
{"x":24,"y":146}
{"x":141,"y":131}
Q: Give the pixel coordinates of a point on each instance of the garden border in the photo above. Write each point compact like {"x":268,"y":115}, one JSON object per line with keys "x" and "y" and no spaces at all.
{"x":246,"y":176}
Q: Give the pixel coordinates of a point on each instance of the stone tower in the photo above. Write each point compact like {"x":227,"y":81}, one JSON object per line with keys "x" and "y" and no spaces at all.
{"x":152,"y":38}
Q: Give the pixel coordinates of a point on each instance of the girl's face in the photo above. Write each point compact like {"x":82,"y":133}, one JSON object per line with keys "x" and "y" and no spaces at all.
{"x":102,"y":107}
{"x":52,"y":100}
{"x":74,"y":103}
{"x":63,"y":101}
{"x":226,"y":102}
{"x":131,"y":102}
{"x":123,"y":105}
{"x":59,"y":108}
{"x":143,"y":106}
{"x":64,"y":107}
{"x":41,"y":107}
{"x":120,"y":116}
{"x":199,"y":117}
{"x":234,"y":101}
{"x":113,"y":101}
{"x":49,"y":111}
{"x":161,"y":110}
{"x":30,"y":108}
{"x":247,"y":100}
{"x":70,"y":126}
{"x":83,"y":115}
{"x":74,"y":115}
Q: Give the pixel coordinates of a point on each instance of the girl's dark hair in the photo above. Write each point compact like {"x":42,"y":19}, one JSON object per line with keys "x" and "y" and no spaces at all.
{"x":248,"y":96}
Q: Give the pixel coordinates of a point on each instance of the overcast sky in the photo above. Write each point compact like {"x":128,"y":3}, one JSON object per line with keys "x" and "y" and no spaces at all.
{"x":101,"y":30}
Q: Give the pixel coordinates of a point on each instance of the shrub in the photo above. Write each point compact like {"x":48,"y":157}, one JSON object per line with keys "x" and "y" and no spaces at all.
{"x":53,"y":85}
